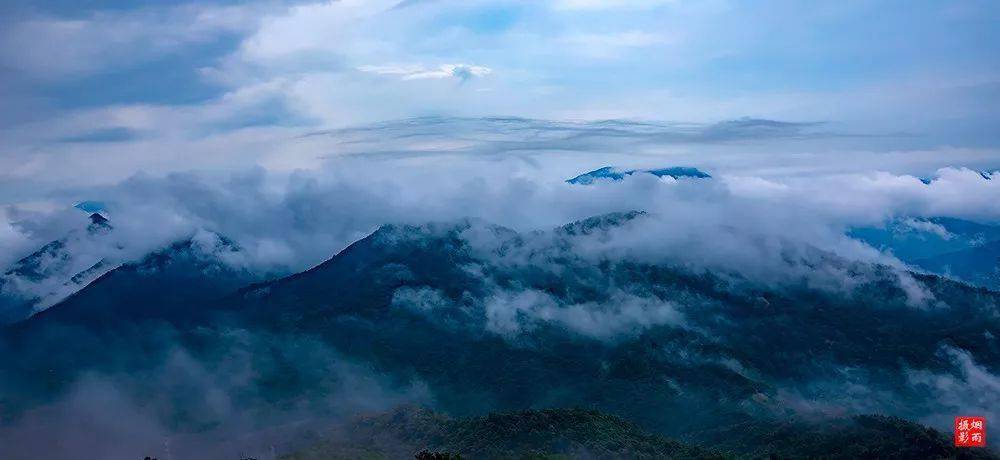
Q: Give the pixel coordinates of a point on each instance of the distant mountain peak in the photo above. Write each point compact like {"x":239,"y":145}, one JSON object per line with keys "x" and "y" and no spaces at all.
{"x":56,"y":270}
{"x":90,"y":206}
{"x":98,"y":223}
{"x":986,"y":174}
{"x":617,"y":174}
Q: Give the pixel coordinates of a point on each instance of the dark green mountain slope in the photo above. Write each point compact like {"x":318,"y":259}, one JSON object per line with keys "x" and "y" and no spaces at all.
{"x":125,"y":321}
{"x":551,"y":433}
{"x":578,"y":433}
{"x":486,"y":319}
{"x":483,"y":326}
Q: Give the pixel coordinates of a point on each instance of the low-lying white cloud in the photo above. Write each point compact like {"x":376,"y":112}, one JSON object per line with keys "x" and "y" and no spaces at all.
{"x":461,"y":72}
{"x":299,"y":219}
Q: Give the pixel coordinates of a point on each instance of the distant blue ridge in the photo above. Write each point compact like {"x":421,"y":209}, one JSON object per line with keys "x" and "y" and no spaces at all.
{"x":610,"y":172}
{"x":90,"y":206}
{"x":985,"y":174}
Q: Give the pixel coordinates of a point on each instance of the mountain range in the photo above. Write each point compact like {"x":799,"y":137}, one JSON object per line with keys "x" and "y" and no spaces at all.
{"x":957,"y":248}
{"x":616,"y":174}
{"x":468,"y":317}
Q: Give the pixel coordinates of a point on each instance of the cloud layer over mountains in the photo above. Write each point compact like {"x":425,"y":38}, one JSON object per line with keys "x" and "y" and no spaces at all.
{"x":230,"y":224}
{"x":730,"y":254}
{"x":294,"y":220}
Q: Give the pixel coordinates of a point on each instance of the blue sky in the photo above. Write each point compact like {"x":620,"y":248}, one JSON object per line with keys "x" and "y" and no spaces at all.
{"x":107,"y":88}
